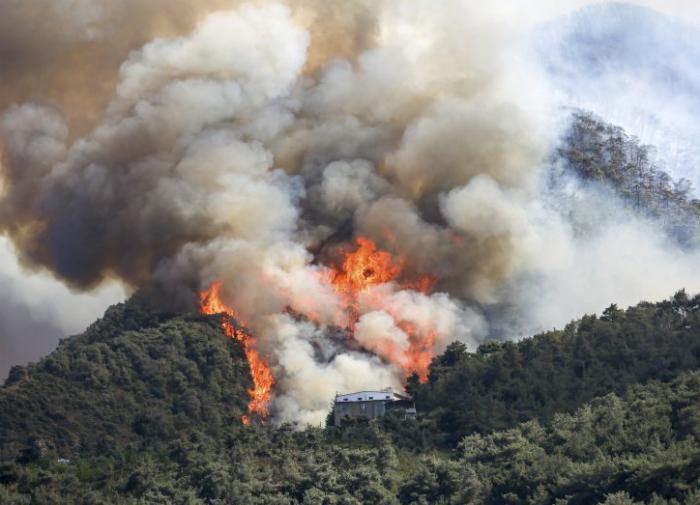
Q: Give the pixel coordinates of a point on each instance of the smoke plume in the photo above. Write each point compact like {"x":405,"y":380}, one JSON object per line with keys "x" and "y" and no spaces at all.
{"x":251,"y":144}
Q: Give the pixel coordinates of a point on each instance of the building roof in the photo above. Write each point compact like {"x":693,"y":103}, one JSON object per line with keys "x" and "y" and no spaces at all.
{"x":369,"y":396}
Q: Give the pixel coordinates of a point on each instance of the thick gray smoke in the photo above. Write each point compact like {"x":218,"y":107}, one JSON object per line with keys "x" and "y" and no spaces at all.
{"x":239,"y":151}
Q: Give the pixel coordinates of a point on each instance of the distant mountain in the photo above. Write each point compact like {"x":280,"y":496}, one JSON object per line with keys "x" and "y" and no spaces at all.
{"x":636,"y":68}
{"x":599,"y":154}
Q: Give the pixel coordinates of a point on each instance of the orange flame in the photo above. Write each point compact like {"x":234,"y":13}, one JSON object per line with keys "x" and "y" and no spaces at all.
{"x":362,"y":269}
{"x":211,"y":303}
{"x":366,"y":267}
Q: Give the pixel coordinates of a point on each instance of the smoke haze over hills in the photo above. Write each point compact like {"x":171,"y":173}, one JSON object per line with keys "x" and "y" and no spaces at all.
{"x":635,"y":67}
{"x":235,"y":143}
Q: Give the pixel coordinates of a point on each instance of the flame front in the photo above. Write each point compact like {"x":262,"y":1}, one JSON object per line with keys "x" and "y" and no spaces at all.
{"x":362,"y":270}
{"x":211,"y":303}
{"x":367,"y":267}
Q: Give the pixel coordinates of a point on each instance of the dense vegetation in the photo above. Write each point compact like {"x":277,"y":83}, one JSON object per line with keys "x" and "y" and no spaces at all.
{"x":507,"y":383}
{"x":614,"y":450}
{"x":144,"y":408}
{"x":600,"y":153}
{"x":132,"y":377}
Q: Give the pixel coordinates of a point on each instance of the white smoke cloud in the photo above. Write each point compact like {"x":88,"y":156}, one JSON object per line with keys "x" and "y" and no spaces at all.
{"x":596,"y":252}
{"x":307,"y":386}
{"x":349,"y":185}
{"x":377,"y":331}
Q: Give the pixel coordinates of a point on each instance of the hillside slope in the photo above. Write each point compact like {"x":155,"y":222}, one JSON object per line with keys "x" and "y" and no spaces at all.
{"x":643,"y":448}
{"x":146,"y":408}
{"x":133,"y":377}
{"x":506,"y":383}
{"x":602,"y":154}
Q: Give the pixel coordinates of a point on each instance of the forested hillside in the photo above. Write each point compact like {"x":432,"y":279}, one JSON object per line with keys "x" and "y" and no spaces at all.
{"x":640,"y":448}
{"x":134,"y":377}
{"x":144,"y":408}
{"x":506,"y":383}
{"x":601,"y":153}
{"x":364,"y":205}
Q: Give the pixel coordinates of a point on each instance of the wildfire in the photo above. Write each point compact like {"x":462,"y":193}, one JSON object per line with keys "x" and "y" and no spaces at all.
{"x":211,"y":303}
{"x":362,"y":269}
{"x":366,"y":267}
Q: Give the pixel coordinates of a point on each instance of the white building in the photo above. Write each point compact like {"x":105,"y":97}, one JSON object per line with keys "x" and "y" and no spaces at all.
{"x":371,"y":405}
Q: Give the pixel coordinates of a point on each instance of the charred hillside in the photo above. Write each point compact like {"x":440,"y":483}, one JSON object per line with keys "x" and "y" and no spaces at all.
{"x":134,"y":378}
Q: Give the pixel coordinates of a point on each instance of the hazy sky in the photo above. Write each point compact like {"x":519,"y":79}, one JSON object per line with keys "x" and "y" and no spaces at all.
{"x":35,"y":311}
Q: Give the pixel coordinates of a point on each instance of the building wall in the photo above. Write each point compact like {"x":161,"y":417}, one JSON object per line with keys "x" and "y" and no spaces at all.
{"x":372,"y":404}
{"x":355,"y":410}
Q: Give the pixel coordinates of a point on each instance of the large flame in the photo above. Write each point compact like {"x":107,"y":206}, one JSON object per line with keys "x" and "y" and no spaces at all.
{"x":367,"y":267}
{"x":362,"y":270}
{"x":211,"y":303}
